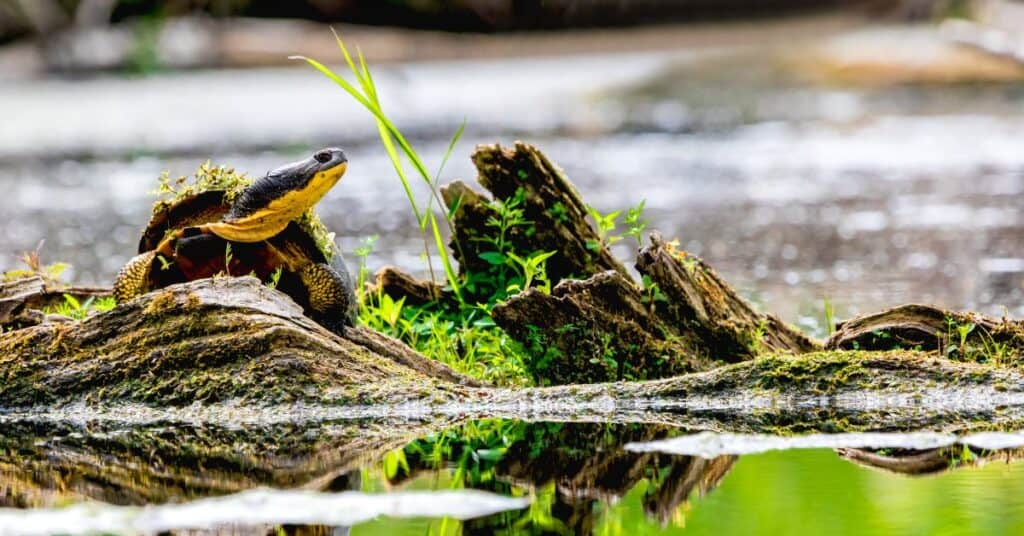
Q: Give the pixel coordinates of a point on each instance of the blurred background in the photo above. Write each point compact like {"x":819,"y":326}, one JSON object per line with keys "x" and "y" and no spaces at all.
{"x":867,"y":153}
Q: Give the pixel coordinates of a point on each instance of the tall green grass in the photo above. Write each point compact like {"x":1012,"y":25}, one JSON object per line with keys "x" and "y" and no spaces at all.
{"x":396,"y":146}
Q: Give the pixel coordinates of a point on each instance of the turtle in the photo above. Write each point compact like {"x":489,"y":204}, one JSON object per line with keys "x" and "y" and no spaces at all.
{"x":266,"y":228}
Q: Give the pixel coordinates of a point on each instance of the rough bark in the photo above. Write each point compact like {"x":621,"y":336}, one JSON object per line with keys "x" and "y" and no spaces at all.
{"x":597,"y":324}
{"x":600,"y":329}
{"x":698,"y":300}
{"x":398,"y":284}
{"x":607,"y":328}
{"x":963,"y":335}
{"x":554,"y":209}
{"x":22,"y":300}
{"x":233,"y":348}
{"x":210,"y":340}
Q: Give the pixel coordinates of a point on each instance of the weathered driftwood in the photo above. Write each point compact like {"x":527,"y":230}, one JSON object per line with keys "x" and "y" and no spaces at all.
{"x":964,"y":335}
{"x":22,"y":300}
{"x":554,"y":210}
{"x":597,"y":324}
{"x":398,"y":285}
{"x":607,"y":328}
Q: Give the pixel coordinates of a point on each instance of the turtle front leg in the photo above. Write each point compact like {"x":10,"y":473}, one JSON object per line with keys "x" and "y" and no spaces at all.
{"x":133,"y":279}
{"x":331,"y":298}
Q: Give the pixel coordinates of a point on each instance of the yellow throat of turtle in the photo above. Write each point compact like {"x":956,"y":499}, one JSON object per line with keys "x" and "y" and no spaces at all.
{"x":273,"y":218}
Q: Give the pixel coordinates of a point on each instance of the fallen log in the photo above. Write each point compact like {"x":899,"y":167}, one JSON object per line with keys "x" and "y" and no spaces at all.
{"x":23,"y":299}
{"x":200,"y":347}
{"x":227,"y":347}
{"x":960,"y":335}
{"x":210,"y":340}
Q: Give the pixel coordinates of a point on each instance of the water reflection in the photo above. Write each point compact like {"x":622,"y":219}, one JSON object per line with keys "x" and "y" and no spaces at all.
{"x":579,"y":477}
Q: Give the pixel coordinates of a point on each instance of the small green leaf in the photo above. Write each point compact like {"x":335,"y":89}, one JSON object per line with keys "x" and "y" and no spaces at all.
{"x":495,"y":258}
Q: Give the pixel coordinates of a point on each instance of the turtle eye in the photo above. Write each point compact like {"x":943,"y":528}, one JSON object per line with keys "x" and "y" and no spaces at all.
{"x":323,"y":157}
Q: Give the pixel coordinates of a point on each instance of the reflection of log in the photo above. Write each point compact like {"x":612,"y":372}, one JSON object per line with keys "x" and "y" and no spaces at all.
{"x":42,"y":464}
{"x":926,"y":462}
{"x":588,"y":465}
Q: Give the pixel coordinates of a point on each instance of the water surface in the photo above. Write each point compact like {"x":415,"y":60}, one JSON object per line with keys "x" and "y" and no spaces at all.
{"x":497,"y":477}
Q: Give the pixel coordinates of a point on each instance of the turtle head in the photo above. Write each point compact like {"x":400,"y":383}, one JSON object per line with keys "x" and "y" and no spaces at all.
{"x":293,"y":188}
{"x":331,"y":160}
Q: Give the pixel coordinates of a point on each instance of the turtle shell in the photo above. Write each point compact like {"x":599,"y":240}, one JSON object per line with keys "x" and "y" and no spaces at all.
{"x":200,"y":255}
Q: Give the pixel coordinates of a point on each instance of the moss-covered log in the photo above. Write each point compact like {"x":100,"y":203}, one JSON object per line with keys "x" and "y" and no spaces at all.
{"x":597,"y":324}
{"x":554,"y":213}
{"x":963,"y":335}
{"x":209,"y":340}
{"x":608,"y":328}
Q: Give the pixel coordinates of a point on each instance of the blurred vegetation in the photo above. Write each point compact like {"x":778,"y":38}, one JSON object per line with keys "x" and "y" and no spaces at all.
{"x":26,"y":17}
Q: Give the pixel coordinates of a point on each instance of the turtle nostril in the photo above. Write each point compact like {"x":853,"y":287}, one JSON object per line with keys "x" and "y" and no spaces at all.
{"x":323,"y":157}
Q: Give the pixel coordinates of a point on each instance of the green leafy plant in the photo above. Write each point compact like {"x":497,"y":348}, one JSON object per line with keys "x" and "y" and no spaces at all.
{"x":605,"y":225}
{"x":390,"y":136}
{"x":72,"y":307}
{"x":830,"y":319}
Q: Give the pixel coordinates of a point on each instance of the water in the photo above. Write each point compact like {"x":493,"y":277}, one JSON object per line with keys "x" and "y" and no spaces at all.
{"x":499,"y":477}
{"x":796,"y":191}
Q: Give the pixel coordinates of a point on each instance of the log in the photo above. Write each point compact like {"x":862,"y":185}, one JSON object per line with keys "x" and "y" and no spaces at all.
{"x":597,"y":324}
{"x":209,"y":340}
{"x":398,"y":285}
{"x":23,"y":299}
{"x":606,"y":328}
{"x":231,"y":347}
{"x":554,"y":211}
{"x":961,"y":335}
{"x":600,"y":329}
